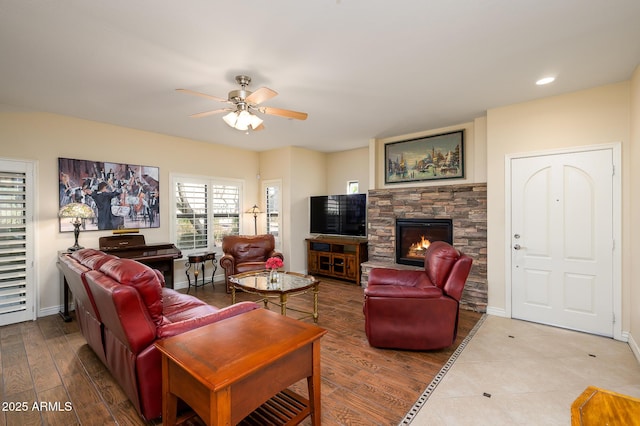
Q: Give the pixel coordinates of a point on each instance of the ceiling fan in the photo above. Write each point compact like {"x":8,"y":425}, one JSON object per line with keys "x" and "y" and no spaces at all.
{"x":244,"y":104}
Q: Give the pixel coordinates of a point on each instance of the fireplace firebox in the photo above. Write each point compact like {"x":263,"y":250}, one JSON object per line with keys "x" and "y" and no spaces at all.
{"x":413,"y":236}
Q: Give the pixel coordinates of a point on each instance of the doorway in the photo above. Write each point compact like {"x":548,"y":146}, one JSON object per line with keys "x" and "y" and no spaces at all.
{"x":564,"y":260}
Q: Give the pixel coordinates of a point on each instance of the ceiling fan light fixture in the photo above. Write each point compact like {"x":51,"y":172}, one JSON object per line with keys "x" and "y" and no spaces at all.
{"x":242,"y":120}
{"x":231,"y":119}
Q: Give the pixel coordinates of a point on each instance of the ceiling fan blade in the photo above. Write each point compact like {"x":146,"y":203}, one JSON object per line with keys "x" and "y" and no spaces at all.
{"x":261,"y":95}
{"x":206,"y":113}
{"x":260,"y":127}
{"x":284,"y":113}
{"x":203,"y":95}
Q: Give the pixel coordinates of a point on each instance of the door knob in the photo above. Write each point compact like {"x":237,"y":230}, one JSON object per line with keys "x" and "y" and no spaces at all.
{"x":517,"y":247}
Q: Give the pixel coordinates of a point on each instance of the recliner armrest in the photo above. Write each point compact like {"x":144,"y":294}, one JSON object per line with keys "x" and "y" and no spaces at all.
{"x":398,"y":277}
{"x":400,"y":291}
{"x":227,"y":262}
{"x":275,"y":253}
{"x":173,"y":329}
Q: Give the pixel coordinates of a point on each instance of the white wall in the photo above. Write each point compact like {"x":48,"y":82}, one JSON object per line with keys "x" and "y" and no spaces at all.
{"x":589,"y":117}
{"x":45,"y":137}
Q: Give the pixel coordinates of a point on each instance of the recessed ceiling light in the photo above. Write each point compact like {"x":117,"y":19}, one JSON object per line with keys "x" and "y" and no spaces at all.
{"x":545,"y":80}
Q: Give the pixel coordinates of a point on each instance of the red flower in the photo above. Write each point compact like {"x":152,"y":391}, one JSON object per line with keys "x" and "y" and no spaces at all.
{"x":274,"y":263}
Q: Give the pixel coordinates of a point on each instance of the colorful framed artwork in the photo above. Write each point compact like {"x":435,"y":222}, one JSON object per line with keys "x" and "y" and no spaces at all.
{"x":121,"y":195}
{"x":428,"y":158}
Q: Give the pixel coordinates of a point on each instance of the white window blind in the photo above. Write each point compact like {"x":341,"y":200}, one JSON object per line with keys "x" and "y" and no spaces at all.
{"x":192,"y":215}
{"x":16,"y":293}
{"x":273,"y":206}
{"x":205,"y":211}
{"x":226,"y":211}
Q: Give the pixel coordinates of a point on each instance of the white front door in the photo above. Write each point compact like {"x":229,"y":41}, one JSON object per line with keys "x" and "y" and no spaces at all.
{"x":562,"y":240}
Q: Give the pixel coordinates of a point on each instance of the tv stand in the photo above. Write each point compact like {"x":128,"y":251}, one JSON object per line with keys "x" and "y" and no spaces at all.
{"x":337,"y":257}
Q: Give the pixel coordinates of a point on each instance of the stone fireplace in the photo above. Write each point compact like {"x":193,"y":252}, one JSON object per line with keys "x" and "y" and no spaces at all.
{"x":413,"y":237}
{"x":465,"y":206}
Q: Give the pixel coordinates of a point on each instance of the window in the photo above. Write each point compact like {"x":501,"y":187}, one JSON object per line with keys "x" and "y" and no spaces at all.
{"x":273,"y":205}
{"x":352,"y":187}
{"x":206,"y":209}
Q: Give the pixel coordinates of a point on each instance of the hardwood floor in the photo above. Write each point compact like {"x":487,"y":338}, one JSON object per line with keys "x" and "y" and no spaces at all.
{"x":48,"y":361}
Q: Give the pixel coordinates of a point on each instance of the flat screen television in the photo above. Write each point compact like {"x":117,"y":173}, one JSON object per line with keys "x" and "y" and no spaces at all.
{"x":339,"y":214}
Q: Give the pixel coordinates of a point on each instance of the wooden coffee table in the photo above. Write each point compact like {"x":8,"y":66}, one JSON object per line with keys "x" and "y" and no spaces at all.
{"x":288,"y":284}
{"x":241,"y":367}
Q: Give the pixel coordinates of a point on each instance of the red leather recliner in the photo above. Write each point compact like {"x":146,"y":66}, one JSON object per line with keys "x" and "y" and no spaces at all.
{"x":243,"y":253}
{"x":74,"y":266}
{"x":417,"y":310}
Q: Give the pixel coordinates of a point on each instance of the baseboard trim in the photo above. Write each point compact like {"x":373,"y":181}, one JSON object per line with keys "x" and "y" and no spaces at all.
{"x":633,"y":344}
{"x":498,"y":312}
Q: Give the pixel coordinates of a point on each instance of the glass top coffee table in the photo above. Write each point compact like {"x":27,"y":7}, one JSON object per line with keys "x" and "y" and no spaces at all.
{"x":287,"y":284}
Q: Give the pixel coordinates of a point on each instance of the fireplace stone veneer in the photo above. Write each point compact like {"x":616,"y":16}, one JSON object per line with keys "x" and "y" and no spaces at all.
{"x":464,"y":205}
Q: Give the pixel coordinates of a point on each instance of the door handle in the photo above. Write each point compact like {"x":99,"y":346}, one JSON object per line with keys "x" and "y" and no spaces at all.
{"x":517,"y":247}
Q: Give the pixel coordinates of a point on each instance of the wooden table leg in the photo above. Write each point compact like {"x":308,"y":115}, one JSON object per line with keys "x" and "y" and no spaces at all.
{"x":283,"y":304}
{"x":169,"y":400}
{"x":316,"y":290}
{"x":313,"y":385}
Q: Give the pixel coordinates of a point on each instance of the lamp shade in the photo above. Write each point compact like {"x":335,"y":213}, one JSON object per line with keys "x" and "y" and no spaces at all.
{"x":254,"y":210}
{"x":76,"y":211}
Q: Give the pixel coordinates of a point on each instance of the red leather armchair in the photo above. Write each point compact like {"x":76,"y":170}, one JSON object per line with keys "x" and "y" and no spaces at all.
{"x":244,"y":253}
{"x":417,"y":310}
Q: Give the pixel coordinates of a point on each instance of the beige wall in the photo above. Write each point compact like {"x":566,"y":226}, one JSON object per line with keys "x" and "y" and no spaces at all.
{"x":346,"y":166}
{"x":634,"y":234}
{"x":475,"y":150}
{"x":596,"y":116}
{"x":303,"y":173}
{"x":44,"y":137}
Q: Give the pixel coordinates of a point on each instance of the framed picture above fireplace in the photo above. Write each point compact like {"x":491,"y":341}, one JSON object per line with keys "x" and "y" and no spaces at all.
{"x":429,"y":158}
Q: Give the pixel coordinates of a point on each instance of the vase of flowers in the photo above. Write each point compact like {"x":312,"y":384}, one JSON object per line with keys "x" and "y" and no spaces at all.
{"x":273,"y":264}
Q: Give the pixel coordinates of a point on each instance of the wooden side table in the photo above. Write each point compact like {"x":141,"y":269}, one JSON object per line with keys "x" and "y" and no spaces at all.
{"x":597,"y":406}
{"x":198,"y":261}
{"x":241,"y":367}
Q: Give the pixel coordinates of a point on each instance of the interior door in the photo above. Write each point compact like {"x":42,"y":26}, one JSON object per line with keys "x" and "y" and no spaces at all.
{"x":562,"y":240}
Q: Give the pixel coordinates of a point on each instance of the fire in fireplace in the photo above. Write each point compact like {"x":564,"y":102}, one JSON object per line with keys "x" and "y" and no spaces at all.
{"x":413,"y":237}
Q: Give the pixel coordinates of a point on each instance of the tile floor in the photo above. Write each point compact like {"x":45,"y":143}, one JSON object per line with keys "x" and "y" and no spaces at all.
{"x":532,"y":372}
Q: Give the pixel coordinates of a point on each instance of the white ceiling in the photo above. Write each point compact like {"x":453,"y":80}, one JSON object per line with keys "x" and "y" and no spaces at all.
{"x":362,"y":69}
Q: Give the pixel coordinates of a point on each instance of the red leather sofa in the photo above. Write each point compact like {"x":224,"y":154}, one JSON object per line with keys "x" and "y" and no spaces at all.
{"x":122,"y":308}
{"x":243,"y":253}
{"x":417,"y":310}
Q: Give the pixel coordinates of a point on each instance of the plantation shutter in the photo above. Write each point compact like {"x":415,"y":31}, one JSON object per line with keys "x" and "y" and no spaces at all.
{"x":206,"y":209}
{"x":273,"y":206}
{"x":192,"y":215}
{"x":16,"y":286}
{"x":226,"y":211}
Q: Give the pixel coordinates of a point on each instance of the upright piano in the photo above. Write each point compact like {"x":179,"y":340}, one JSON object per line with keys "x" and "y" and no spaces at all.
{"x":132,"y":246}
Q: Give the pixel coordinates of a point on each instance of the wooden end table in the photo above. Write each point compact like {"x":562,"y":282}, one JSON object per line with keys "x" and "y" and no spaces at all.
{"x":597,"y":406}
{"x":241,"y":367}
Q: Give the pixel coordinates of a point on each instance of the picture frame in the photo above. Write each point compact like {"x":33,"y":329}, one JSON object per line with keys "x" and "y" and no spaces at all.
{"x":433,"y":157}
{"x":121,"y":195}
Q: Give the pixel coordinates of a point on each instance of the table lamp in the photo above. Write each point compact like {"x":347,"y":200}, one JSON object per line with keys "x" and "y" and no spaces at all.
{"x":255,"y":210}
{"x":78,"y":212}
